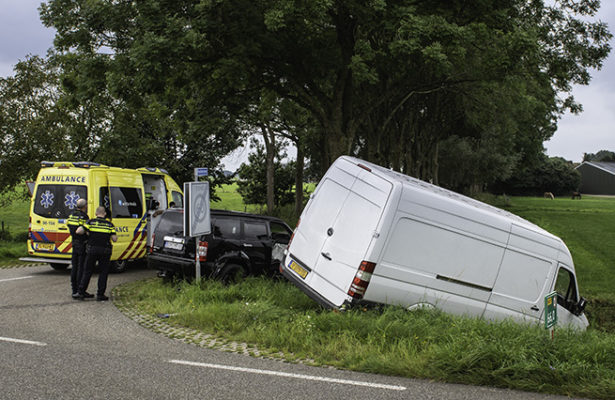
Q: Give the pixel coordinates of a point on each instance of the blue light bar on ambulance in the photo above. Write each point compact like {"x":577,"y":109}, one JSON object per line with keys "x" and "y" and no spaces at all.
{"x":86,"y":164}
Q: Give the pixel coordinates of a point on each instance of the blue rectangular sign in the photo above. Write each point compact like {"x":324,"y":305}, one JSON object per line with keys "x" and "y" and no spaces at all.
{"x":201,"y":172}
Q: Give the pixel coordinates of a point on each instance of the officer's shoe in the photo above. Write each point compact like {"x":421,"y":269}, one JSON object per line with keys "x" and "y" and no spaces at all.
{"x":101,"y":298}
{"x":88,"y":295}
{"x":78,"y":296}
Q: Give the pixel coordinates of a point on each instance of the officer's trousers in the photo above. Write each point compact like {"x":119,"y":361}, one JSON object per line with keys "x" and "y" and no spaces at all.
{"x":77,"y":264}
{"x":101,"y":256}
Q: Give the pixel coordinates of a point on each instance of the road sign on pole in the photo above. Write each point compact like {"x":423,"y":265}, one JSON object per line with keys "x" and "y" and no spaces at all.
{"x":551,"y":311}
{"x":198,"y":172}
{"x":197,"y":219}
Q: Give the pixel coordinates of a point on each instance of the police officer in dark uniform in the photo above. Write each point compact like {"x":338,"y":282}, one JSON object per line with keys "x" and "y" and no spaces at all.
{"x":76,"y":219}
{"x":100,"y":234}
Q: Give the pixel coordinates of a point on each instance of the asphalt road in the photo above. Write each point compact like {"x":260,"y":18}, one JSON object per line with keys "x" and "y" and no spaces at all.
{"x":53,"y":347}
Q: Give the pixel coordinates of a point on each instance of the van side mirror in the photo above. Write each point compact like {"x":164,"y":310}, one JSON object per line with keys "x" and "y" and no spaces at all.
{"x":580,"y":306}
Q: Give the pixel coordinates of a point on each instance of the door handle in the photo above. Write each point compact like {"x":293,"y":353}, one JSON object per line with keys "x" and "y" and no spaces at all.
{"x":327,"y":256}
{"x":63,"y":228}
{"x":534,"y":308}
{"x":247,"y":245}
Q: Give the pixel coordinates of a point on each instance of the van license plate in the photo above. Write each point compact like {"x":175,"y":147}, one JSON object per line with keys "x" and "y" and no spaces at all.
{"x":173,"y":245}
{"x":46,"y":246}
{"x":302,"y":272}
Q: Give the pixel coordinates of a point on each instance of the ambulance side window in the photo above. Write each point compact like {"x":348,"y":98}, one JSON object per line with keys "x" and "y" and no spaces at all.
{"x":178,"y":199}
{"x":58,"y":201}
{"x":126,"y":202}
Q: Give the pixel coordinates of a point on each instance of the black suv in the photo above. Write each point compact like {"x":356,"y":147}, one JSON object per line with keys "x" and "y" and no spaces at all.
{"x":239,"y":244}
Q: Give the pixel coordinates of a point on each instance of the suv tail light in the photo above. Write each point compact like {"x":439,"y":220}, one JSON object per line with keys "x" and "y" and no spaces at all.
{"x":361,"y":279}
{"x":150,"y":250}
{"x":202,"y":251}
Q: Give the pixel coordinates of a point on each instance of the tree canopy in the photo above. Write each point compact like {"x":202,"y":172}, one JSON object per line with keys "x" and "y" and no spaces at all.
{"x":457,"y":92}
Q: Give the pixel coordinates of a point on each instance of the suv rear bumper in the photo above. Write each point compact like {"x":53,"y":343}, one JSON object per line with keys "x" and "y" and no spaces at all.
{"x":169,"y":263}
{"x":165,"y":262}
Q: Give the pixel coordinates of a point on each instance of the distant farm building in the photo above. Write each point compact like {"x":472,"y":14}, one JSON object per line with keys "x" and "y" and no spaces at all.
{"x":597,"y":177}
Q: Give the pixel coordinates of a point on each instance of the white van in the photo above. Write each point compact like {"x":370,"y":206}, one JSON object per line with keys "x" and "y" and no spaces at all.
{"x":371,"y":235}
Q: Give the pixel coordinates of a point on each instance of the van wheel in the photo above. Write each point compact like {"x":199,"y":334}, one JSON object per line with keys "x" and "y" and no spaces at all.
{"x":58,"y":266}
{"x":118,"y":266}
{"x":232,"y":273}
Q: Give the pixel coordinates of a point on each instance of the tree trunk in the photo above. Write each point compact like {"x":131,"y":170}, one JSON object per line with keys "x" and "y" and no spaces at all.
{"x":299,"y":178}
{"x":269,"y":138}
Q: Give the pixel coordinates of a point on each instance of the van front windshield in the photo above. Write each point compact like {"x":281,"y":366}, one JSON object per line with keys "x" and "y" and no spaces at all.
{"x":57,"y":201}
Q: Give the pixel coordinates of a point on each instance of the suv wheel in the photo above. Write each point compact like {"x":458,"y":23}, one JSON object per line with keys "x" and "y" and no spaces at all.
{"x":232,"y":273}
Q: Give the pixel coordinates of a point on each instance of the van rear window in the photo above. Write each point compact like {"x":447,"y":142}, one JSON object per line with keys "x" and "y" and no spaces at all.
{"x":58,"y":201}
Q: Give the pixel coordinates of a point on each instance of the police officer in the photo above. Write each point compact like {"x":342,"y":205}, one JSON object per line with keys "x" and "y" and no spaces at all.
{"x":100,"y":234}
{"x":76,"y":219}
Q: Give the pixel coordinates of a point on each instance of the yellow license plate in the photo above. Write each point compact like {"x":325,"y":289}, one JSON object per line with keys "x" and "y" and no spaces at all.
{"x":46,"y":246}
{"x":302,"y":272}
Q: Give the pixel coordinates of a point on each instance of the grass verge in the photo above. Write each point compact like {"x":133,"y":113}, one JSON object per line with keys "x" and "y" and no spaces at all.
{"x":278,"y":319}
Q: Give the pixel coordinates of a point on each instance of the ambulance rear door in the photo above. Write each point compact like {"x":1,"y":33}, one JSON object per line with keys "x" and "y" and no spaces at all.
{"x":127,"y":209}
{"x":54,"y":199}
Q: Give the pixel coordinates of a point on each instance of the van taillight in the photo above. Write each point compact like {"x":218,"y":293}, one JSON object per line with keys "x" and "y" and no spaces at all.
{"x":361,"y":279}
{"x":293,"y":234}
{"x":30,"y":228}
{"x":203,"y":251}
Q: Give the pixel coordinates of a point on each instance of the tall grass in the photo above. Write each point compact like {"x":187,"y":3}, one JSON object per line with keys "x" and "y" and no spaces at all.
{"x":277,"y":317}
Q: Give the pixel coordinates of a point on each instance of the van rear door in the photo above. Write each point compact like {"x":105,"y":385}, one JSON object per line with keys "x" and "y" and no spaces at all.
{"x":336,"y":230}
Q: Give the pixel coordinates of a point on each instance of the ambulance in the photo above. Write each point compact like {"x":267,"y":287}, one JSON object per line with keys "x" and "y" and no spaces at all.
{"x":131,"y":197}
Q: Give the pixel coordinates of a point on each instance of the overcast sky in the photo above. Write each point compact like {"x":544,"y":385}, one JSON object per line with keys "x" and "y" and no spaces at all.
{"x":22,"y":33}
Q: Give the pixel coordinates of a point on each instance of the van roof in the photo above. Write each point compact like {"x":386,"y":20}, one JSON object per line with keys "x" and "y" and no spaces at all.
{"x":391,"y":175}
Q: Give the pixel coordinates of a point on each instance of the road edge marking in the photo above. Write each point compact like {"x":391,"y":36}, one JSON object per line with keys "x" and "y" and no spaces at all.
{"x":16,"y":279}
{"x":289,"y":375}
{"x":21,"y":341}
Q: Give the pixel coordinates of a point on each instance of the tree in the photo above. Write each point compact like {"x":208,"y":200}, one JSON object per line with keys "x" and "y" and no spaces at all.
{"x":253,"y":177}
{"x":602,"y":155}
{"x":160,"y":110}
{"x":551,"y":174}
{"x":393,"y":80}
{"x":39,"y":121}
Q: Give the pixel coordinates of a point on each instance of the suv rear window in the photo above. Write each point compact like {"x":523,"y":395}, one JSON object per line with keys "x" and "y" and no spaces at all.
{"x":58,"y":201}
{"x":171,"y":222}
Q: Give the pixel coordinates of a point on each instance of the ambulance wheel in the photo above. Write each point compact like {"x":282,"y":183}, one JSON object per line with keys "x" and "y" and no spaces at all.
{"x":118,"y":266}
{"x":232,"y":273}
{"x":58,"y":267}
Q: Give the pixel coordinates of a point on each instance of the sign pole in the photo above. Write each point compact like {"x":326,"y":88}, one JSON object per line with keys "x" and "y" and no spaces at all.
{"x":197,"y":219}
